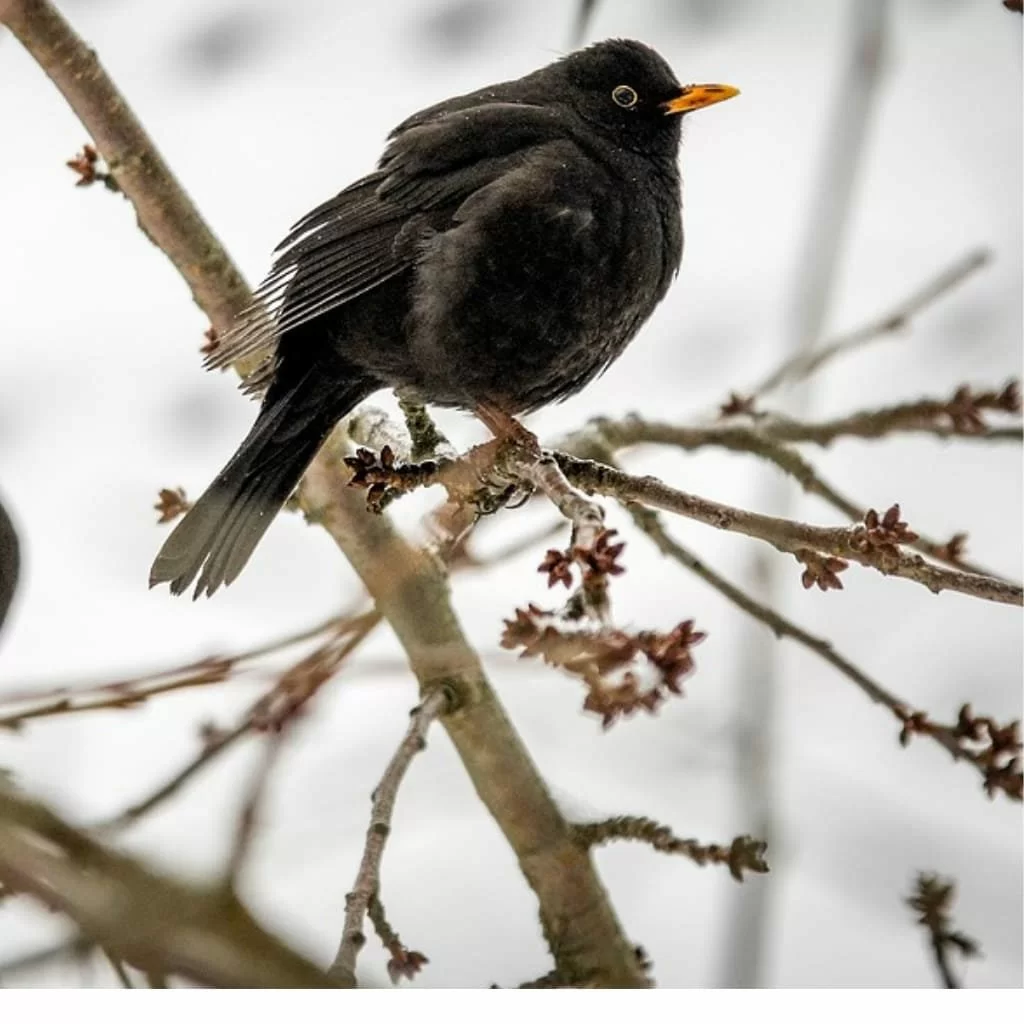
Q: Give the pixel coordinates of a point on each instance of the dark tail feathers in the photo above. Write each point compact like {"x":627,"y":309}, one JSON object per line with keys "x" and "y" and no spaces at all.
{"x":220,"y":532}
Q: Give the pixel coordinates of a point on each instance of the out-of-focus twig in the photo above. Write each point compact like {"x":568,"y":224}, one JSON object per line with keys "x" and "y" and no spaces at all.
{"x":285,"y":698}
{"x":801,"y":365}
{"x":248,"y":817}
{"x":367,"y":881}
{"x":960,"y":416}
{"x":585,"y":10}
{"x":932,"y":900}
{"x":133,"y":691}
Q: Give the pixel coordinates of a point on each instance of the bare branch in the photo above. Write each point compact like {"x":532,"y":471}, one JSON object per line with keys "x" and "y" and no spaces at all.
{"x":367,"y":882}
{"x":754,"y":440}
{"x":586,"y":516}
{"x":404,"y":962}
{"x":742,"y":854}
{"x":291,"y":692}
{"x":427,"y":440}
{"x":932,"y":900}
{"x":805,"y":363}
{"x":165,"y":212}
{"x":784,"y":534}
{"x":248,"y":818}
{"x":152,"y":922}
{"x":959,"y":416}
{"x":965,"y":741}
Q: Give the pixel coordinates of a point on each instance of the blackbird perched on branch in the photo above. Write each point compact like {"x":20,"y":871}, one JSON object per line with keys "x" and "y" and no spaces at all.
{"x":506,"y":250}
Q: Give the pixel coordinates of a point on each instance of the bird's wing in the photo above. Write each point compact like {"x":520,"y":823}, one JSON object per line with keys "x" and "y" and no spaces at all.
{"x":368,"y":233}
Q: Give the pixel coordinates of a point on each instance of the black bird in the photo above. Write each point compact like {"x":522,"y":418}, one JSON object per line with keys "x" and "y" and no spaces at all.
{"x":507,"y":248}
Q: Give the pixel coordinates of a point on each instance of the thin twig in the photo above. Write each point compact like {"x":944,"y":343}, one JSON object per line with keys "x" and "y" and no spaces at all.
{"x":803,"y":364}
{"x":211,"y":751}
{"x":165,"y":212}
{"x":428,"y":442}
{"x":742,"y":854}
{"x":783,"y":534}
{"x":368,"y":877}
{"x":403,"y":962}
{"x":753,"y":440}
{"x":130,"y":692}
{"x":291,"y":692}
{"x":932,"y":900}
{"x":955,"y":741}
{"x":586,"y":516}
{"x":955,"y":417}
{"x":248,"y":818}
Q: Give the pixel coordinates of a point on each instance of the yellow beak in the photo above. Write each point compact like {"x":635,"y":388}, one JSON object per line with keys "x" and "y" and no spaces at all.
{"x":693,"y":97}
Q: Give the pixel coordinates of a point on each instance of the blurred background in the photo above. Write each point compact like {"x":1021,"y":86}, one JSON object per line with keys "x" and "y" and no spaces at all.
{"x":265,"y":108}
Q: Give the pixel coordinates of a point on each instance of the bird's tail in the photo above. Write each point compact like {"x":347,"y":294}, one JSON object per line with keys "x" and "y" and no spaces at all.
{"x":221,"y":530}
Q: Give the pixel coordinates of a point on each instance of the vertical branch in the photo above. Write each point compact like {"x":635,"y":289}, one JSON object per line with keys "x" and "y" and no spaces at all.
{"x":367,"y":886}
{"x":756,"y":737}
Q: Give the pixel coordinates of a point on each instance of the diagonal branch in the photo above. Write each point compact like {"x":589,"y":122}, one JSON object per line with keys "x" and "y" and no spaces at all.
{"x":758,"y":440}
{"x":367,"y":884}
{"x":962,"y":743}
{"x":783,"y":534}
{"x":154,"y":923}
{"x":165,"y":212}
{"x":804,"y":363}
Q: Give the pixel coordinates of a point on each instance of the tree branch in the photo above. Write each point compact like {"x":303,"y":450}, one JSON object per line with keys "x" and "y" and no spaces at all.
{"x":783,"y":534}
{"x":165,"y":213}
{"x":152,"y":922}
{"x":742,"y":854}
{"x":367,"y":884}
{"x":754,"y":440}
{"x":805,"y":363}
{"x":964,"y":743}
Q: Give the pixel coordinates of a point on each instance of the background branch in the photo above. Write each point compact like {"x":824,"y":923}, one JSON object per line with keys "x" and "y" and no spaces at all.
{"x":805,"y":363}
{"x":152,"y":922}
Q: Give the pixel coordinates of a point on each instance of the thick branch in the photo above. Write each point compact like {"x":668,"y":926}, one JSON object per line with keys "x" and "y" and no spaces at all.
{"x":152,"y":922}
{"x":410,"y":587}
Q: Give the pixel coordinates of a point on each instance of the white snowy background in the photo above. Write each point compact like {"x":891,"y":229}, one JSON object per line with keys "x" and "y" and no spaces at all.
{"x":265,"y":108}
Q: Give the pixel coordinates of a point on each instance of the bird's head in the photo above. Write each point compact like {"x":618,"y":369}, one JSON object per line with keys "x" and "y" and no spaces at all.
{"x":628,"y":92}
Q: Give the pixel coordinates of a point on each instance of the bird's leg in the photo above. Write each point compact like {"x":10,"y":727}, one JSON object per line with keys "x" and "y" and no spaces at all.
{"x":505,"y":427}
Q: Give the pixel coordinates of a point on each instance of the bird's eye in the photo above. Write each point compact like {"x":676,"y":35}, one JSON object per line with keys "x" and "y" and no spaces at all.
{"x":625,"y":95}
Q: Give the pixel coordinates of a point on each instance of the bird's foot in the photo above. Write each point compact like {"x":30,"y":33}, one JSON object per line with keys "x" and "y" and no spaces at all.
{"x":506,"y":428}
